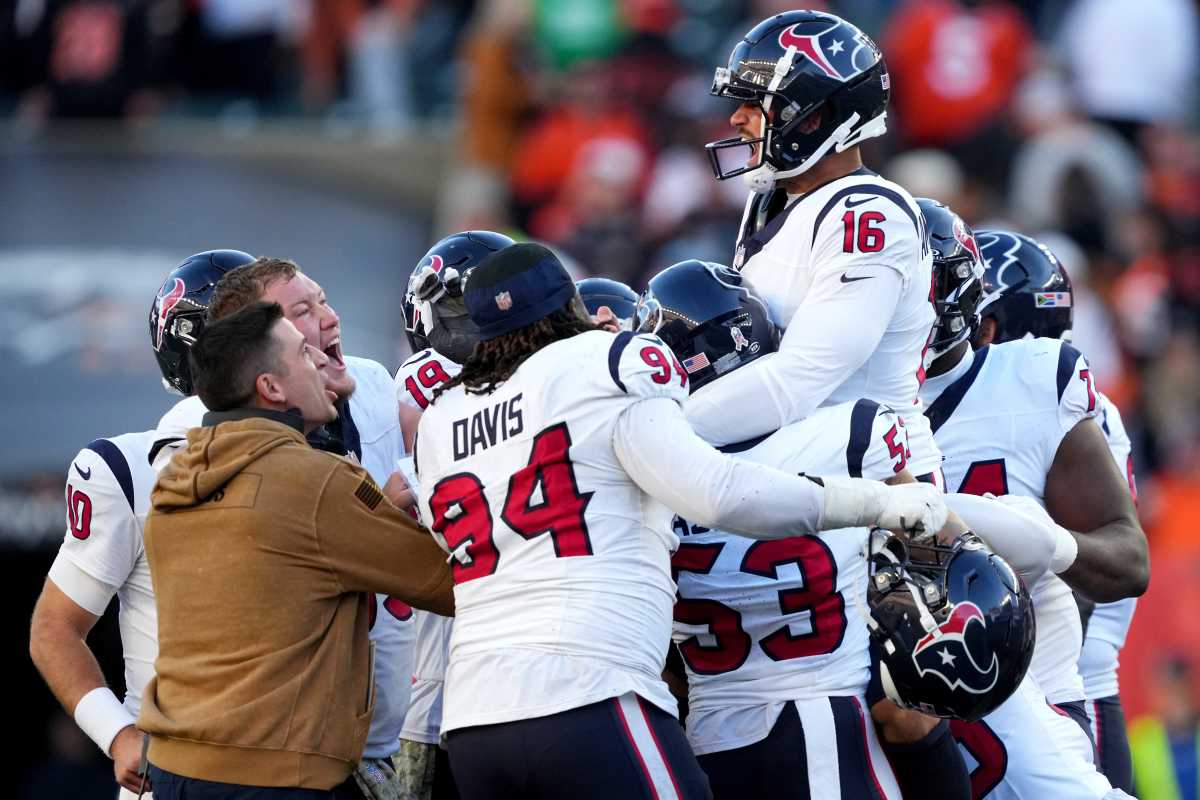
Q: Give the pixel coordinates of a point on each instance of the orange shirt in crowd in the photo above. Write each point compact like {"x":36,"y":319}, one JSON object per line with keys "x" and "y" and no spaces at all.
{"x":953,"y":69}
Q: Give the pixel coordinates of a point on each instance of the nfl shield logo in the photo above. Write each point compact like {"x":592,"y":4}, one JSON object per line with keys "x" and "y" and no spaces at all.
{"x":504,"y":301}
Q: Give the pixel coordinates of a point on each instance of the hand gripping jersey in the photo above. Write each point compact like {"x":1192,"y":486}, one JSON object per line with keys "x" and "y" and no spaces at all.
{"x":1109,"y":624}
{"x":374,"y":417}
{"x":415,"y":381}
{"x":999,"y":417}
{"x":562,"y":563}
{"x":759,"y":623}
{"x":845,"y":271}
{"x":102,"y":554}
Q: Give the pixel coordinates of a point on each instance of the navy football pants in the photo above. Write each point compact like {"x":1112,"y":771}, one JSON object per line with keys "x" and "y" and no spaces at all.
{"x":617,"y":748}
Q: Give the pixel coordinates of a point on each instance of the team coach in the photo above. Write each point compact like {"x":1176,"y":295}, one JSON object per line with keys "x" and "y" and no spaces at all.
{"x":261,"y":550}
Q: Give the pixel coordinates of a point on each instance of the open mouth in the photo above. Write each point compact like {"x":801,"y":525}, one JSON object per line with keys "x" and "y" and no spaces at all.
{"x":334,"y":351}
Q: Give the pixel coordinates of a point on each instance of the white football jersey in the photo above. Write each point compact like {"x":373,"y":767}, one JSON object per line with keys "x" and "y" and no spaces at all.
{"x":563,"y":586}
{"x":824,"y":248}
{"x":416,"y":380}
{"x":423,"y":723}
{"x":999,"y":417}
{"x":420,"y":375}
{"x":102,"y":554}
{"x":1024,"y":750}
{"x":762,"y":622}
{"x":1109,"y":623}
{"x":376,"y":417}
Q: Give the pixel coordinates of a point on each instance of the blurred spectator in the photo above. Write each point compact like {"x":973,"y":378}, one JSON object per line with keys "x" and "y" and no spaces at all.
{"x":1133,"y":63}
{"x":547,"y":152}
{"x":595,"y":215}
{"x":954,"y":66}
{"x":231,"y":48}
{"x":1071,"y":174}
{"x":92,"y":58}
{"x":1164,"y":746}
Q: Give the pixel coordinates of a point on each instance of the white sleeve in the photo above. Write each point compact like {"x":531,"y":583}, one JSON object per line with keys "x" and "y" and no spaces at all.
{"x":85,"y":591}
{"x":887,"y":452}
{"x":420,"y":376}
{"x":104,"y":536}
{"x":1021,"y":539}
{"x":1078,"y":398}
{"x":652,"y":439}
{"x":833,"y":332}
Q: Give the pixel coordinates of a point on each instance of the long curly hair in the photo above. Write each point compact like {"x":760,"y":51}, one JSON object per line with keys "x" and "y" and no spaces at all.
{"x":494,"y":361}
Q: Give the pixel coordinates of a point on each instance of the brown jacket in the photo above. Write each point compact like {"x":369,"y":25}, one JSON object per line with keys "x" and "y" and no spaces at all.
{"x":261,"y":552}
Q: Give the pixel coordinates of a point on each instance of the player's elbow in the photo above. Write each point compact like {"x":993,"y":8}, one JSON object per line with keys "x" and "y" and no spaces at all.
{"x":1137,"y":579}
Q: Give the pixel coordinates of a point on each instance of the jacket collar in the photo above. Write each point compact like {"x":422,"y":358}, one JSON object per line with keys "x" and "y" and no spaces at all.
{"x":291,"y":417}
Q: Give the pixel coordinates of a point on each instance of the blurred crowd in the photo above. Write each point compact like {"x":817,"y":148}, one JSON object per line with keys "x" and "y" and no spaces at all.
{"x":582,"y":123}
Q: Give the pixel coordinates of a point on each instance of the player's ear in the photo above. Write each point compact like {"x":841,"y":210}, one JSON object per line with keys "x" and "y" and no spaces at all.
{"x":986,"y":333}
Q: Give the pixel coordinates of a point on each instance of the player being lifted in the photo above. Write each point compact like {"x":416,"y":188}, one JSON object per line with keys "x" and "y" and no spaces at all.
{"x":547,"y":468}
{"x":1019,"y":419}
{"x":843,"y":267}
{"x":108,"y":495}
{"x":771,"y":632}
{"x":838,"y":254}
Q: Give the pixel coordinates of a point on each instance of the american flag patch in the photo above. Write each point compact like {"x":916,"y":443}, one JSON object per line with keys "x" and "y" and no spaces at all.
{"x":696,"y":362}
{"x":1052,"y":299}
{"x":368,"y":493}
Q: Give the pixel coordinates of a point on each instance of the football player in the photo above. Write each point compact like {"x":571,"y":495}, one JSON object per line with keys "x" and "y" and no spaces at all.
{"x":102,"y":554}
{"x":436,"y":283}
{"x":611,"y":303}
{"x":776,"y":652}
{"x":1018,"y":419}
{"x":1016,"y":305}
{"x":547,"y":467}
{"x":367,"y":429}
{"x":843,"y":267}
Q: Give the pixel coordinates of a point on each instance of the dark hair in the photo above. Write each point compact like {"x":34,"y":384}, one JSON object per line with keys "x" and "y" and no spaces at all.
{"x":244,"y":285}
{"x":232,"y":352}
{"x":494,"y":361}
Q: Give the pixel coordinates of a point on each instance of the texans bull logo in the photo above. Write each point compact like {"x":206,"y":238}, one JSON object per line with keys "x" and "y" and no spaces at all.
{"x":167,"y":299}
{"x":835,"y":51}
{"x":946,"y":654}
{"x":966,"y":240}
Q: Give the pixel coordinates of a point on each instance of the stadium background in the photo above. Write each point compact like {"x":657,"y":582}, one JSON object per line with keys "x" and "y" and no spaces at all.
{"x":349,"y":134}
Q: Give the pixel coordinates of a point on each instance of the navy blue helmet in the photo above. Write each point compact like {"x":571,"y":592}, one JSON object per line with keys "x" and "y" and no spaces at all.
{"x":460,"y":252}
{"x":178,"y":312}
{"x":1026,"y":290}
{"x":709,"y":316}
{"x":957,"y":276}
{"x":954,"y":625}
{"x":793,"y":65}
{"x":596,"y":292}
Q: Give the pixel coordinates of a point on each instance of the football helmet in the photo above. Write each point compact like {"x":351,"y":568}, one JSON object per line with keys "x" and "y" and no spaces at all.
{"x":793,"y":65}
{"x":709,"y":316}
{"x":596,"y":292}
{"x":957,"y":276}
{"x":178,"y":312}
{"x":954,"y":624}
{"x":1026,"y":290}
{"x":435,"y":315}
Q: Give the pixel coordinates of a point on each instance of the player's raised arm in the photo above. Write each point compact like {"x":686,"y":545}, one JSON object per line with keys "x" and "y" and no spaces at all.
{"x":664,"y":456}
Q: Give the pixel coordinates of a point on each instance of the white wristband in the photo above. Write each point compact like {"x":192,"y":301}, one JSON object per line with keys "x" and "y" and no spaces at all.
{"x":101,"y":716}
{"x":1066,"y":550}
{"x":851,"y":502}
